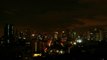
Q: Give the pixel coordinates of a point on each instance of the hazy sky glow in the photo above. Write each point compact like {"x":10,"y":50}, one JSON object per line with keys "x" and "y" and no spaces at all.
{"x":48,"y":15}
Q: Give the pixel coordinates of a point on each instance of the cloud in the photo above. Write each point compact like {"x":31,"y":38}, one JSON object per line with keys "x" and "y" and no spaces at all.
{"x":48,"y":14}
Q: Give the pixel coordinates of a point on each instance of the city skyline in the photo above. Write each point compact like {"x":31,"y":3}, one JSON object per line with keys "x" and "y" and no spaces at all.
{"x":45,"y":30}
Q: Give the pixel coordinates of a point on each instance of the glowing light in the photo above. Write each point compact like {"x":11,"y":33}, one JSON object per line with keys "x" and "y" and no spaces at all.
{"x":57,"y":51}
{"x":63,"y":31}
{"x":33,"y":35}
{"x":49,"y":43}
{"x":74,"y":43}
{"x":61,"y":52}
{"x":24,"y":38}
{"x":70,"y":42}
{"x":91,"y":33}
{"x":51,"y":51}
{"x":74,"y":33}
{"x":79,"y":41}
{"x":56,"y":32}
{"x":45,"y":50}
{"x":36,"y":55}
{"x":19,"y":37}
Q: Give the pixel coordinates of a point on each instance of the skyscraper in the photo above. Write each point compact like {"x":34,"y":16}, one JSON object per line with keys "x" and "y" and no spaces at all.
{"x":8,"y":33}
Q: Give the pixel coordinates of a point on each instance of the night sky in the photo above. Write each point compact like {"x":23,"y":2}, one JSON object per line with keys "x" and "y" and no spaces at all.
{"x":53,"y":14}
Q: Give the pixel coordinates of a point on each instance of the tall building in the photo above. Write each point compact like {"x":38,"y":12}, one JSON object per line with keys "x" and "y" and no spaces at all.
{"x":8,"y":50}
{"x":8,"y":33}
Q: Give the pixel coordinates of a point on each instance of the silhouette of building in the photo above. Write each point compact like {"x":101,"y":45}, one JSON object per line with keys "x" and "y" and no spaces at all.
{"x":9,"y":34}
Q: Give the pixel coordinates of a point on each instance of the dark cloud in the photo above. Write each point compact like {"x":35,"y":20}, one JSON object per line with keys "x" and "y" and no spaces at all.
{"x":53,"y":14}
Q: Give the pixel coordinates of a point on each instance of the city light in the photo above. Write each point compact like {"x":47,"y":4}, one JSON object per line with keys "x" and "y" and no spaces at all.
{"x":24,"y":38}
{"x":79,"y":41}
{"x":63,"y":31}
{"x":74,"y":43}
{"x":56,"y":32}
{"x":19,"y":37}
{"x":51,"y":51}
{"x":37,"y":55}
{"x":50,"y":44}
{"x":61,"y":52}
{"x":53,"y":30}
{"x":71,"y":42}
{"x":33,"y":35}
{"x":57,"y":51}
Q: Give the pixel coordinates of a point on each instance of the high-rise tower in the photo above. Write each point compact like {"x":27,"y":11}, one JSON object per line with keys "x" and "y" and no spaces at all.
{"x":8,"y":33}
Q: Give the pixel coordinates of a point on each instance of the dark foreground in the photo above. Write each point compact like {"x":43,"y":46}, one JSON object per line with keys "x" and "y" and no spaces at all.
{"x":93,"y":51}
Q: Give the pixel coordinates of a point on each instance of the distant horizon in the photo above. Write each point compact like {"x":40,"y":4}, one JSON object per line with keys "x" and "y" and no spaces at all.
{"x":83,"y":28}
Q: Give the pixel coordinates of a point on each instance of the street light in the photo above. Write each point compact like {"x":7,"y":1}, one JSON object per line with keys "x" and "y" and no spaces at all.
{"x":79,"y":41}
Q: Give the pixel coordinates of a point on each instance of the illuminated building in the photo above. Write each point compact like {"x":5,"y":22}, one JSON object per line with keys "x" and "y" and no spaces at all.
{"x":96,"y":34}
{"x":8,"y":34}
{"x":38,"y":44}
{"x":56,"y":36}
{"x":79,"y":40}
{"x":8,"y":30}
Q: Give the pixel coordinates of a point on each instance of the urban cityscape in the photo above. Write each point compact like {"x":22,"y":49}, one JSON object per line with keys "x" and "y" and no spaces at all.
{"x":53,"y":30}
{"x":27,"y":45}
